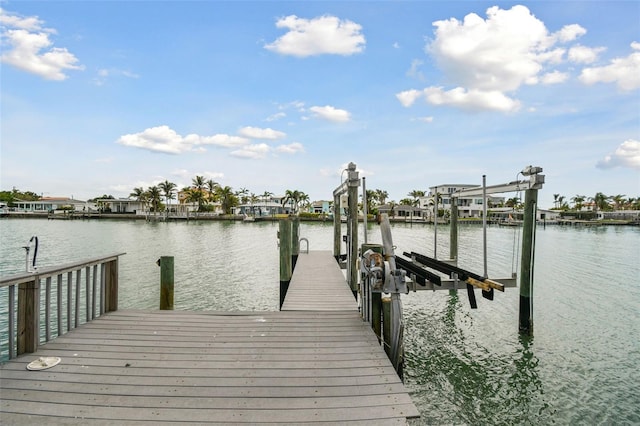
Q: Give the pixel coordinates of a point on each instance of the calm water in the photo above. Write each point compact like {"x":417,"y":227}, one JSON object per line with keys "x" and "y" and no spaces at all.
{"x":463,"y":366}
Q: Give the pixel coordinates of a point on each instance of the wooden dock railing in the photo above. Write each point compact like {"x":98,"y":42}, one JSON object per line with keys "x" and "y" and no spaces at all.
{"x":29,"y":320}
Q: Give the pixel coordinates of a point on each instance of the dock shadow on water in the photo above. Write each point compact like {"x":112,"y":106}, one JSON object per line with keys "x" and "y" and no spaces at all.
{"x":455,"y":379}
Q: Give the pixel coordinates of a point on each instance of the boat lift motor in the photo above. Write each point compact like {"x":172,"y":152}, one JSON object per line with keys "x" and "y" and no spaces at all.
{"x":383,"y":279}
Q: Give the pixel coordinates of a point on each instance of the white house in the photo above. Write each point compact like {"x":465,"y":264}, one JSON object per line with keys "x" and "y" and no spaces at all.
{"x":467,"y":206}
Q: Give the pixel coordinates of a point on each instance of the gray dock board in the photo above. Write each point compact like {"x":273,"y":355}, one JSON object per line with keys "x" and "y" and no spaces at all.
{"x":318,"y":284}
{"x":171,"y":367}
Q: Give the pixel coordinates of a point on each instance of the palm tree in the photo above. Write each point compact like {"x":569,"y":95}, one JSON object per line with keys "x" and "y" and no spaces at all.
{"x":577,"y":201}
{"x":555,"y":200}
{"x":392,"y":208}
{"x":372,"y":197}
{"x":154,"y":197}
{"x":198,"y":183}
{"x":291,"y":197}
{"x":140,"y":195}
{"x":512,"y":202}
{"x":600,"y":201}
{"x":211,"y":190}
{"x":253,"y":198}
{"x":303,"y":201}
{"x":561,"y":203}
{"x":168,"y":189}
{"x":618,"y":200}
{"x":416,"y":193}
{"x":381,"y":196}
{"x":243,"y":193}
{"x":227,"y":198}
{"x":266,"y":196}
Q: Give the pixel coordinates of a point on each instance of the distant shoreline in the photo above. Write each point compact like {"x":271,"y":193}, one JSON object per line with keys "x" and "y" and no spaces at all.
{"x":241,"y":218}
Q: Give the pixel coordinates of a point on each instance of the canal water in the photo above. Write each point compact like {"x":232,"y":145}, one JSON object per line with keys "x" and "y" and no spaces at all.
{"x":463,"y":366}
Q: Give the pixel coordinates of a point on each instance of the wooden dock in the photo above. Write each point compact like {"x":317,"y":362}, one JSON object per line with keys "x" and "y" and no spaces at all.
{"x":313,"y":362}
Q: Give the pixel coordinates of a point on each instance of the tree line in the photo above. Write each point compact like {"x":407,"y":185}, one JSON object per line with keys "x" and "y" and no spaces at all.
{"x":207,"y":194}
{"x":599,"y":202}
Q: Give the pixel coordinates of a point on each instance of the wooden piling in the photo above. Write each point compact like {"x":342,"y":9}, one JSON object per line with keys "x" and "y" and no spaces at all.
{"x":386,"y":325}
{"x":28,"y":316}
{"x":166,"y":283}
{"x":284,"y":235}
{"x":526,"y":262}
{"x":111,"y":285}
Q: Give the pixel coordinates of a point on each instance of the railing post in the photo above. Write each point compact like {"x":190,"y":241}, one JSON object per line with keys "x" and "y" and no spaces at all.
{"x":28,"y":316}
{"x":295,"y":241}
{"x":166,"y":283}
{"x":337,"y":228}
{"x":111,"y":286}
{"x":284,"y":236}
{"x":352,"y":228}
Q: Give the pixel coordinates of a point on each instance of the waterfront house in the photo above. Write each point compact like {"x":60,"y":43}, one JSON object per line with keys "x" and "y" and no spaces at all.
{"x":51,"y":204}
{"x":321,"y":207}
{"x":265,"y":207}
{"x":120,"y":205}
{"x":467,"y":206}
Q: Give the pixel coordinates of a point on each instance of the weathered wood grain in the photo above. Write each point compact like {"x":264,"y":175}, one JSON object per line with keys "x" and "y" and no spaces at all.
{"x":170,"y":367}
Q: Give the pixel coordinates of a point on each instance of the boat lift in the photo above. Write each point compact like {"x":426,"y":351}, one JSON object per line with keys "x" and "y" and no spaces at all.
{"x":382,"y":271}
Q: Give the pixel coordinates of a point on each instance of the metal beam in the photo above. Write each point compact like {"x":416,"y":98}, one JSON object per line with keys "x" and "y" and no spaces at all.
{"x":534,"y":182}
{"x":449,"y":284}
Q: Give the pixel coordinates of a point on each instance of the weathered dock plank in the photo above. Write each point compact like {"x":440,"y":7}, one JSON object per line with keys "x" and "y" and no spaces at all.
{"x":318,"y":284}
{"x":135,"y":366}
{"x":314,"y":362}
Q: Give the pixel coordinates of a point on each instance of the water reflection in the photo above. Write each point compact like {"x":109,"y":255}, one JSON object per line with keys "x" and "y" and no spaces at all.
{"x":456,"y":379}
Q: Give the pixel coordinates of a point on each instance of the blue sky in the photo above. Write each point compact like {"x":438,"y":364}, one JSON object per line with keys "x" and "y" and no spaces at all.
{"x":99,"y":97}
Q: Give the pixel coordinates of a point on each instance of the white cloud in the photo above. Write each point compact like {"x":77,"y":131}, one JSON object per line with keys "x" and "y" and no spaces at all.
{"x":626,"y":155}
{"x":323,"y":35}
{"x":584,"y":55}
{"x":166,"y":140}
{"x":569,"y":33}
{"x":499,"y":53}
{"x":258,"y":133}
{"x":487,"y":60}
{"x":414,"y":71}
{"x":256,"y":151}
{"x":181,"y":173}
{"x":472,"y":100}
{"x":554,"y":77}
{"x":330,"y":113}
{"x":158,"y":139}
{"x":625,"y":72}
{"x":276,"y":116}
{"x":425,"y":119}
{"x":31,"y":48}
{"x":222,"y":140}
{"x":408,"y":97}
{"x":291,"y":148}
{"x":104,"y":74}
